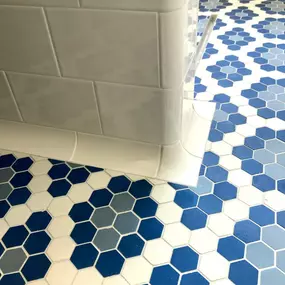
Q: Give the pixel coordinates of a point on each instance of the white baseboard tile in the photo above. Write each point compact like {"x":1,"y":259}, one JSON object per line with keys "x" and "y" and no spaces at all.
{"x":37,"y":140}
{"x":117,"y":154}
{"x":179,"y":162}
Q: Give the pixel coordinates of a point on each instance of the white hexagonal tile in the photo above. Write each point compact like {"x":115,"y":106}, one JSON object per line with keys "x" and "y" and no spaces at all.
{"x":80,"y":192}
{"x":99,"y":180}
{"x":157,"y":251}
{"x":60,"y":248}
{"x":247,"y":111}
{"x":61,"y":273}
{"x":250,"y":195}
{"x":256,"y":121}
{"x":169,"y":213}
{"x":234,"y":139}
{"x":230,"y":162}
{"x":18,"y":215}
{"x":275,"y":124}
{"x":275,"y":200}
{"x":61,"y":226}
{"x":39,"y":201}
{"x":239,"y":100}
{"x":163,"y":193}
{"x":213,"y":266}
{"x":239,"y":178}
{"x":203,"y":240}
{"x":151,"y":180}
{"x":176,"y":234}
{"x":113,"y":173}
{"x":115,"y":280}
{"x":88,"y":276}
{"x":246,"y":130}
{"x":40,"y":183}
{"x":137,"y":270}
{"x":221,"y":148}
{"x":40,"y":167}
{"x":3,"y":227}
{"x":222,"y":282}
{"x":221,"y":224}
{"x":236,"y":210}
{"x":60,"y":206}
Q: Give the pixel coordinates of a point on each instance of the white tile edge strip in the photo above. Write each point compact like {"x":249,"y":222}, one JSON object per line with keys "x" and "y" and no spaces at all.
{"x":179,"y":163}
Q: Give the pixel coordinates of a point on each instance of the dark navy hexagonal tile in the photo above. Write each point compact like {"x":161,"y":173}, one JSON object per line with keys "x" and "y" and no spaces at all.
{"x":119,"y":184}
{"x":140,"y":188}
{"x":150,"y":229}
{"x":83,"y":232}
{"x":38,"y":221}
{"x":81,"y":212}
{"x":59,"y":187}
{"x":131,"y":245}
{"x":37,"y":242}
{"x":78,"y":175}
{"x":110,"y":263}
{"x":15,"y":236}
{"x":84,"y":256}
{"x":36,"y":267}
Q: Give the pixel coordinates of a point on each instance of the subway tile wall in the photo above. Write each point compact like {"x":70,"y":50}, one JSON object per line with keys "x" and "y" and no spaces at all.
{"x":64,"y":63}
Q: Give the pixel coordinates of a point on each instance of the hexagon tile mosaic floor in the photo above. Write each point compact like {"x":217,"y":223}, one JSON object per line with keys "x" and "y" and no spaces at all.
{"x":66,"y":224}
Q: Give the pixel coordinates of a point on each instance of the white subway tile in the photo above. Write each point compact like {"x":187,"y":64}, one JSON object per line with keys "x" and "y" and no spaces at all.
{"x":8,"y":109}
{"x":143,"y":114}
{"x":25,"y":44}
{"x":113,"y":46}
{"x":56,"y":102}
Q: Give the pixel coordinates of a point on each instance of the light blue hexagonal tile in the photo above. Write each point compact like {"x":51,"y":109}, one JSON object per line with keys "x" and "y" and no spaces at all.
{"x":280,"y":260}
{"x":260,"y":255}
{"x":275,"y":146}
{"x":274,"y":236}
{"x":275,"y":171}
{"x":204,"y":186}
{"x":272,"y":277}
{"x":264,"y":156}
{"x":281,"y":159}
{"x":220,"y":116}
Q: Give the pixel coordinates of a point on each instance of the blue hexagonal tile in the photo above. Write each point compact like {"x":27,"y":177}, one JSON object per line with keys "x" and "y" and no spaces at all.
{"x":140,"y":188}
{"x":186,"y":198}
{"x":145,"y":207}
{"x":78,"y":175}
{"x":247,"y":231}
{"x":260,"y":255}
{"x":83,"y":232}
{"x":81,"y":212}
{"x":36,"y":267}
{"x":84,"y":256}
{"x":15,"y":236}
{"x":101,"y":198}
{"x":184,"y":259}
{"x":163,"y":275}
{"x":210,"y":204}
{"x":119,"y":184}
{"x":37,"y":242}
{"x":131,"y":245}
{"x":150,"y":229}
{"x":231,"y":248}
{"x":194,"y":219}
{"x":38,"y":221}
{"x":110,"y":263}
{"x":249,"y":274}
{"x":59,"y":188}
